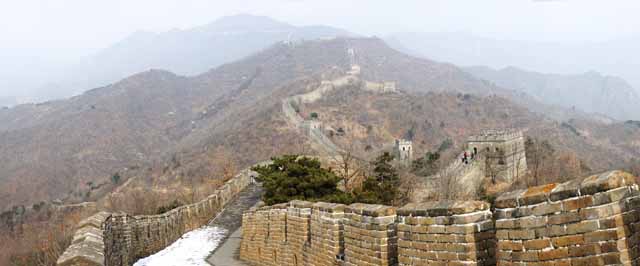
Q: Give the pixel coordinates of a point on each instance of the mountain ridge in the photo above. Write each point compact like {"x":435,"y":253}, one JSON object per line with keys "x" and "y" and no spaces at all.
{"x":590,"y":91}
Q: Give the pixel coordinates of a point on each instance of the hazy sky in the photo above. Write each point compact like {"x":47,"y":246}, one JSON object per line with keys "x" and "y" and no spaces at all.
{"x":66,"y":27}
{"x":36,"y":36}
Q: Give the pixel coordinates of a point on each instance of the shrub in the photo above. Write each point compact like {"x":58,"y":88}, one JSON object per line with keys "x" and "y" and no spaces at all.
{"x":115,"y":178}
{"x":291,"y":177}
{"x":383,"y":186}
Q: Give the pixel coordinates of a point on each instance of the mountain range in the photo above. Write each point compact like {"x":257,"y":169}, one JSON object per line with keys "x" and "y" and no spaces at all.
{"x":138,"y":126}
{"x":195,"y":50}
{"x":591,"y":92}
{"x":186,"y":52}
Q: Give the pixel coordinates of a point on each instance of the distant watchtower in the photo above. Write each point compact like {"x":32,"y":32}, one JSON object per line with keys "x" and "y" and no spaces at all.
{"x":351,"y":53}
{"x":404,"y":150}
{"x":503,"y":152}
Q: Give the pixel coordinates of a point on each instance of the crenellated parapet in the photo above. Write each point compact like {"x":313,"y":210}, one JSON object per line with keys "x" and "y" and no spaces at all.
{"x":87,"y":247}
{"x":587,"y":221}
{"x":446,"y":233}
{"x":497,"y":135}
{"x":110,"y":239}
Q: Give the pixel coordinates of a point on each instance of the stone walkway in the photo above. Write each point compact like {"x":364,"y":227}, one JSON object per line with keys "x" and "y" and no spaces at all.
{"x":226,"y":254}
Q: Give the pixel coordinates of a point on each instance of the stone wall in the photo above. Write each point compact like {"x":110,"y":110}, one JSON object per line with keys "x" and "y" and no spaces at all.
{"x":446,"y":233}
{"x":107,"y":239}
{"x":591,"y":221}
{"x":370,"y":236}
{"x":588,"y":221}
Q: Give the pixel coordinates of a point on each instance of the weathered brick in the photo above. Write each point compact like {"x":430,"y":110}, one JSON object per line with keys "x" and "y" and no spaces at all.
{"x":564,"y":218}
{"x":537,"y":244}
{"x":584,"y":250}
{"x":510,"y":245}
{"x":522,"y":234}
{"x":603,"y":235}
{"x":535,"y":195}
{"x":564,"y":241}
{"x":582,"y":227}
{"x":546,"y":208}
{"x":553,"y":254}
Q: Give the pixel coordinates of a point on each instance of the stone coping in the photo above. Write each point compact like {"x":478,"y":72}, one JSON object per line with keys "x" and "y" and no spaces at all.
{"x":443,"y":208}
{"x":555,"y":192}
{"x":550,"y":192}
{"x":329,"y":207}
{"x":373,"y":210}
{"x":87,"y":246}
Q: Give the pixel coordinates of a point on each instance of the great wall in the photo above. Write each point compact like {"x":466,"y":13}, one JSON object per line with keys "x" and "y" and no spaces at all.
{"x":120,"y":239}
{"x":588,"y":221}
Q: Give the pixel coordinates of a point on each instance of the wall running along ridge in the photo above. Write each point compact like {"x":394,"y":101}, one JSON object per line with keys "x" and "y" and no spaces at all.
{"x":114,"y":239}
{"x":583,"y":222}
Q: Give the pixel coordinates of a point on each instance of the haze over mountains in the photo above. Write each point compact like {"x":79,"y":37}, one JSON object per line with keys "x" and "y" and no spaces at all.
{"x":618,"y":57}
{"x":185,"y":52}
{"x":591,"y":92}
{"x":192,"y":51}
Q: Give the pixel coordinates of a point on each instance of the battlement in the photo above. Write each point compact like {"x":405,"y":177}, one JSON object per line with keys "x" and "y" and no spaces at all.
{"x":494,"y":135}
{"x":587,"y":221}
{"x":110,"y":239}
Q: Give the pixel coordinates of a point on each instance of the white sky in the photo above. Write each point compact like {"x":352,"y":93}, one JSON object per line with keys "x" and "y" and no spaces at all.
{"x":37,"y":36}
{"x":61,"y":28}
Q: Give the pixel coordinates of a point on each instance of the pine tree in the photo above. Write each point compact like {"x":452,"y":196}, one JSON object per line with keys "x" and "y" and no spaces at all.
{"x":382,"y":186}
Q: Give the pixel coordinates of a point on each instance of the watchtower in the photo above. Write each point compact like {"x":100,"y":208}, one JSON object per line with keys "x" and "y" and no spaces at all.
{"x":404,"y":150}
{"x":503,"y":152}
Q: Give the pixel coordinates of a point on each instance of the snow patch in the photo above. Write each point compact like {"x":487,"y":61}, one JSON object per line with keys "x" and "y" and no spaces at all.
{"x":191,"y":249}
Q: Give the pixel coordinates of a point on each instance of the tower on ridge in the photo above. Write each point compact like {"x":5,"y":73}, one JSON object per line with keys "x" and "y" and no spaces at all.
{"x":503,"y":152}
{"x":404,"y":150}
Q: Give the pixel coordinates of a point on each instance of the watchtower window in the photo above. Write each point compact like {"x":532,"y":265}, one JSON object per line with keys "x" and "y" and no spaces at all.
{"x":402,"y":148}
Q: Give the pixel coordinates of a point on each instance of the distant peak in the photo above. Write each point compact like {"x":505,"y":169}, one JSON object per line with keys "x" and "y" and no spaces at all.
{"x":245,"y":22}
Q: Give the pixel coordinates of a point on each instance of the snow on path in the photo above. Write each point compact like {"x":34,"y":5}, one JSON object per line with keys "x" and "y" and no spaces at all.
{"x":191,"y":249}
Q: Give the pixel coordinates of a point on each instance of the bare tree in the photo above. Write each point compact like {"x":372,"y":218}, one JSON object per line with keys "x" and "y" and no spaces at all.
{"x":448,"y":186}
{"x":351,"y":168}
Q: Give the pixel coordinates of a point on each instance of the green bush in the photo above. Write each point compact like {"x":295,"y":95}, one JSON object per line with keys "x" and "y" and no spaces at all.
{"x":291,"y":177}
{"x":383,"y":186}
{"x":116,"y":178}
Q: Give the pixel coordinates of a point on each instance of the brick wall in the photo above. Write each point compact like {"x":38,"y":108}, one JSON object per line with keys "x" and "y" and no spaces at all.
{"x":370,"y":235}
{"x":327,"y":234}
{"x":588,"y":221}
{"x":446,"y":233}
{"x":108,"y":239}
